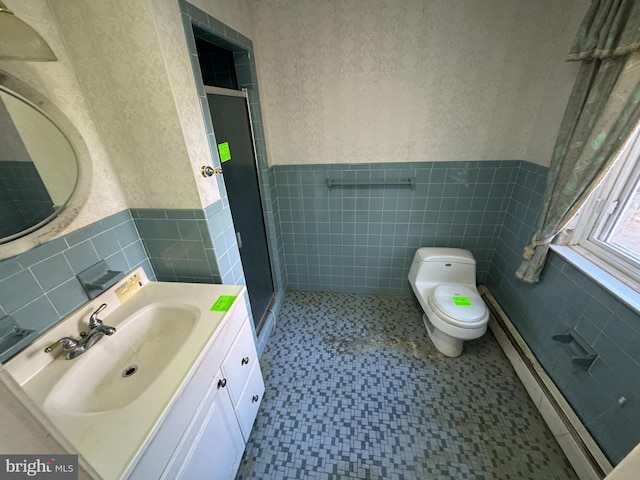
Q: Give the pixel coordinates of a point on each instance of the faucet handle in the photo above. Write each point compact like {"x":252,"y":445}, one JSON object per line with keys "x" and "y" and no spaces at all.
{"x":94,"y":321}
{"x":66,"y":342}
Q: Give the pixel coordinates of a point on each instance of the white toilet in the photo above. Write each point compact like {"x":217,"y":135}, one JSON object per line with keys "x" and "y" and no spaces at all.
{"x":444,"y":280}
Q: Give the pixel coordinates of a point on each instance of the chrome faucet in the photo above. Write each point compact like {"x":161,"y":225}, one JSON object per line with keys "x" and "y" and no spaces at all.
{"x":74,"y":347}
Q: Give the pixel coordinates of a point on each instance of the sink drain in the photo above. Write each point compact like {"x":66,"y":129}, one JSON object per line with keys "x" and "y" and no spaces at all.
{"x":130,"y":370}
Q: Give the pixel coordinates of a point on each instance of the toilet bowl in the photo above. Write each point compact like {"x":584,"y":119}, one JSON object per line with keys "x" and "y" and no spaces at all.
{"x":444,"y":282}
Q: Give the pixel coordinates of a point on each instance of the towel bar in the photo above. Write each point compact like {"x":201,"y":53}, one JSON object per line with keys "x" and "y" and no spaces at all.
{"x":408,"y":182}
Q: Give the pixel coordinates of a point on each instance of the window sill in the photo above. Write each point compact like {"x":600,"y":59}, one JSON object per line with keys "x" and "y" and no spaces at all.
{"x":615,"y":287}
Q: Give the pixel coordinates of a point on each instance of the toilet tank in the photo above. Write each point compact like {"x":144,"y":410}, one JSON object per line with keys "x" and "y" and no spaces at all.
{"x":435,"y":265}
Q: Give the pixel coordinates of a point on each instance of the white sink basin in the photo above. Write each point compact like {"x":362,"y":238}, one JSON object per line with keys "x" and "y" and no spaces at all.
{"x":163,"y":330}
{"x":127,"y":363}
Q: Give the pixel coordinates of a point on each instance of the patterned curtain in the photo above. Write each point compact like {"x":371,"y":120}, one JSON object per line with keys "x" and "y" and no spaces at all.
{"x":603,"y":109}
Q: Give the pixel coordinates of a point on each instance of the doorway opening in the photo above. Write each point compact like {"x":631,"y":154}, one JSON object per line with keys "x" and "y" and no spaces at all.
{"x":217,"y":65}
{"x":230,"y":116}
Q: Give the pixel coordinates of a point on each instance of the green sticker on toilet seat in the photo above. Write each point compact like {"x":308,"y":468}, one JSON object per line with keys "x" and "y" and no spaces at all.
{"x":461,"y":301}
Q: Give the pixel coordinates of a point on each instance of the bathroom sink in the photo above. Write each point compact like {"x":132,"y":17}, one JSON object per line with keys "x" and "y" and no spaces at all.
{"x":119,"y":368}
{"x":115,"y":395}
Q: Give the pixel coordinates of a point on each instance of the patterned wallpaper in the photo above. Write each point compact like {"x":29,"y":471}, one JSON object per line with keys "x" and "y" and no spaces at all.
{"x":417,"y":80}
{"x":116,"y":52}
{"x":343,"y":82}
{"x":136,"y":72}
{"x":124,"y":80}
{"x":177,"y":64}
{"x":58,"y":82}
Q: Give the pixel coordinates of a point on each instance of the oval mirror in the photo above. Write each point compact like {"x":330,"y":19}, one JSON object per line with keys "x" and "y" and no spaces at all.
{"x":43,"y":168}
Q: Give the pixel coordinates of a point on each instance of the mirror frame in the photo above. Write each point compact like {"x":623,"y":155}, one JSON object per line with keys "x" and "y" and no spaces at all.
{"x":53,"y":226}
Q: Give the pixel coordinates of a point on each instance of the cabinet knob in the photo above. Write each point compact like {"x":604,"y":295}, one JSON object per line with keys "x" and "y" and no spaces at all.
{"x":255,"y":398}
{"x":222,"y":383}
{"x":245,"y":360}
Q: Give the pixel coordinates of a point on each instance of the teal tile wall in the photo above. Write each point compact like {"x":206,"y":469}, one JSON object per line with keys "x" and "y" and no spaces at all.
{"x":223,"y":236}
{"x":178,"y":242}
{"x":276,"y":244}
{"x":566,"y":300}
{"x":222,"y":233}
{"x":192,"y":245}
{"x":363,"y":238}
{"x":39,"y":288}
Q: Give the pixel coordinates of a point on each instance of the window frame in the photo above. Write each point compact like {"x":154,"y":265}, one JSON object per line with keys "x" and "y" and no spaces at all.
{"x":597,"y":216}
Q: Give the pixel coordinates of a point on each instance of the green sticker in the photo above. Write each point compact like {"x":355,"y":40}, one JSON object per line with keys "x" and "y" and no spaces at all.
{"x":224,"y":151}
{"x":223,"y":304}
{"x":461,"y":301}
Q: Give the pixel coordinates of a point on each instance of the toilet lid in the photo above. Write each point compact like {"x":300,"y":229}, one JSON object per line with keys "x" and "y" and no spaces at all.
{"x":458,"y":302}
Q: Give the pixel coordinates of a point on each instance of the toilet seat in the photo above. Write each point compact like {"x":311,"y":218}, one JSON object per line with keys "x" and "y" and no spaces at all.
{"x":458,"y":305}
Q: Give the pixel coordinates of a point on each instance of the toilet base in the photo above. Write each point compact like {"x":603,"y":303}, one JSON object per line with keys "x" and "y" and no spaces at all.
{"x":446,"y":344}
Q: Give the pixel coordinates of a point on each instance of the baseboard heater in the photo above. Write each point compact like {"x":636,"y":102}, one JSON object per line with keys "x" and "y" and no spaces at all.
{"x":584,"y":454}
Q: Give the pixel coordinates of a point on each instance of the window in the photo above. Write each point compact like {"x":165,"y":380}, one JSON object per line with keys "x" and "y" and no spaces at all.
{"x":607,"y":230}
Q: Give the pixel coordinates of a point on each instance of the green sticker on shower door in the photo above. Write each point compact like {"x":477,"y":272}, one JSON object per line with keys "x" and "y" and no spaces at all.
{"x":223,"y":304}
{"x":461,"y":301}
{"x":224,"y":151}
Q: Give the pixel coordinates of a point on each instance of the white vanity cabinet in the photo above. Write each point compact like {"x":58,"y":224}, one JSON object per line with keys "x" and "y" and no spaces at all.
{"x":172,"y":394}
{"x":213,"y":445}
{"x":204,"y":433}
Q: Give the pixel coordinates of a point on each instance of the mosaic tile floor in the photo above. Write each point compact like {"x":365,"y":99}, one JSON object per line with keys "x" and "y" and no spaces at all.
{"x":355,"y":389}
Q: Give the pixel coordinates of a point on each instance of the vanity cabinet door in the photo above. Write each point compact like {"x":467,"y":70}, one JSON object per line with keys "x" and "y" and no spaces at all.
{"x":213,"y":446}
{"x":249,"y":402}
{"x":240,"y":361}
